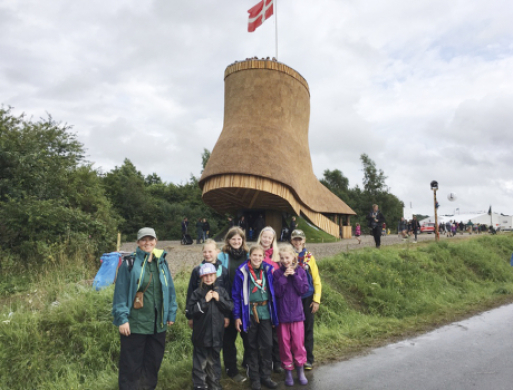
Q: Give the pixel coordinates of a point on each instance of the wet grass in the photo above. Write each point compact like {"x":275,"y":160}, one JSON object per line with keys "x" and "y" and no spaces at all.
{"x":56,"y":332}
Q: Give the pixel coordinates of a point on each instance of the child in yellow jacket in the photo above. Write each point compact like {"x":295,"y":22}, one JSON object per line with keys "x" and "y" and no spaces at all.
{"x":312,"y":298}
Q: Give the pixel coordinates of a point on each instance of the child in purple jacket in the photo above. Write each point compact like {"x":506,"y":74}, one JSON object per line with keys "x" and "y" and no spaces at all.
{"x":290,"y":283}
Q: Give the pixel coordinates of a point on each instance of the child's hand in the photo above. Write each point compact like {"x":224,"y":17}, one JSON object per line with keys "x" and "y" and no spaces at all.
{"x":289,"y":271}
{"x":238,"y":324}
{"x":315,"y":307}
{"x":215,"y":295}
{"x":190,"y":324}
{"x":208,"y":297}
{"x":226,"y":322}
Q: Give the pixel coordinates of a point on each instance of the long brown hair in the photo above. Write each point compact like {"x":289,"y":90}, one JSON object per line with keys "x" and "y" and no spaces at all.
{"x":232,"y":232}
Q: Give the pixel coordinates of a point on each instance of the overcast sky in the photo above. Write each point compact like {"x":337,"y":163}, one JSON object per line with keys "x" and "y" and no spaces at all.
{"x":425,"y":87}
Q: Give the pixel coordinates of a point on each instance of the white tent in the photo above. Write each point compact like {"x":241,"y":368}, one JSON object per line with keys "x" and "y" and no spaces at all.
{"x":497,"y":220}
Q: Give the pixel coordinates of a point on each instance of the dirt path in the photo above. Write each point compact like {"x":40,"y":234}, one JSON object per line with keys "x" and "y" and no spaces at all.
{"x":185,"y":257}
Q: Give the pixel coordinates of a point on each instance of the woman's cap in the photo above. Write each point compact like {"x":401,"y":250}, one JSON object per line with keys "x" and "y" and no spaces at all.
{"x":297,"y":233}
{"x":146,"y":231}
{"x":207,"y":269}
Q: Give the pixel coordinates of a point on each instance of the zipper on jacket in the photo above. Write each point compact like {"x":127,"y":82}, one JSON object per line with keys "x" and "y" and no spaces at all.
{"x":163,"y":298}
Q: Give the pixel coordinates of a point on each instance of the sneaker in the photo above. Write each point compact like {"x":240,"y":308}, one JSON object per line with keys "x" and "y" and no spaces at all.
{"x":238,"y":378}
{"x":308,"y":366}
{"x":414,"y":242}
{"x":269,"y":383}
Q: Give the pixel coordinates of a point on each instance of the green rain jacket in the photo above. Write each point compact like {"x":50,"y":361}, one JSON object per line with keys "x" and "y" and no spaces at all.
{"x":128,"y":282}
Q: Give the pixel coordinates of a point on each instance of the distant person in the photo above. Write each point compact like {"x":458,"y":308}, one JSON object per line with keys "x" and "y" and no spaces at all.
{"x":206,"y":229}
{"x":243,"y":224}
{"x":293,"y":224}
{"x":470,"y":226}
{"x":230,"y":222}
{"x":358,"y":232}
{"x":185,"y":226}
{"x":375,"y":220}
{"x":259,"y":225}
{"x":144,"y":305}
{"x":415,"y":225}
{"x":401,"y":229}
{"x":448,"y":229}
{"x":199,"y":231}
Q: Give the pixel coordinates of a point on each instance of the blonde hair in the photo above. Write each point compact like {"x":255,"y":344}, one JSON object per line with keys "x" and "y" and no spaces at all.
{"x":276,"y":256}
{"x":256,"y":247}
{"x":287,"y":248}
{"x":208,"y":241}
{"x":233,"y":232}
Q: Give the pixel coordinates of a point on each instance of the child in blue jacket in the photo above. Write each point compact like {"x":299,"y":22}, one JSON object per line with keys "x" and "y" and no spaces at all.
{"x":255,"y":314}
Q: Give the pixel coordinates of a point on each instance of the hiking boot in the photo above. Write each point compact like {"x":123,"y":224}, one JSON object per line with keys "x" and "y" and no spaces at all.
{"x":238,"y":378}
{"x":256,"y":385}
{"x":308,"y":366}
{"x":277,"y":368}
{"x":301,"y":375}
{"x":269,"y":383}
{"x":289,"y":381}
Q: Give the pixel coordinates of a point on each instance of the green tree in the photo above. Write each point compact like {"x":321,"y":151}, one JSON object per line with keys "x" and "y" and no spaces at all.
{"x":373,"y":179}
{"x":205,"y":156}
{"x":51,"y":202}
{"x":336,"y":182}
{"x":126,"y":189}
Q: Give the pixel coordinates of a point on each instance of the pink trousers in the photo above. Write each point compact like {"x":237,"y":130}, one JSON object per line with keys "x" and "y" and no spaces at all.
{"x":292,"y":347}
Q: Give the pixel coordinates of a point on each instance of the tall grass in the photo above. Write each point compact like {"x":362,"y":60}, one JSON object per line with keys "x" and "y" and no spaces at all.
{"x":57,"y":334}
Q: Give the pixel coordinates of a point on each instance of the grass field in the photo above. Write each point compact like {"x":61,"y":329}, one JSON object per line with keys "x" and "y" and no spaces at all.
{"x":56,"y":333}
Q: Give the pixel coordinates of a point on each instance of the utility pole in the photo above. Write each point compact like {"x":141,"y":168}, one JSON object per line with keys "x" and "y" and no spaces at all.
{"x":434,"y":187}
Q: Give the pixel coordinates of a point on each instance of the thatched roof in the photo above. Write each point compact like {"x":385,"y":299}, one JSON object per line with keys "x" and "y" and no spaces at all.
{"x":265,"y":132}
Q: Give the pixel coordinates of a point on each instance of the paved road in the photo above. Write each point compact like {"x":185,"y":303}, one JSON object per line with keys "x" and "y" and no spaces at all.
{"x":476,"y":353}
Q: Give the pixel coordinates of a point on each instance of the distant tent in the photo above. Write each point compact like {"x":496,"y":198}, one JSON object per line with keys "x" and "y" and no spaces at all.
{"x":107,"y":273}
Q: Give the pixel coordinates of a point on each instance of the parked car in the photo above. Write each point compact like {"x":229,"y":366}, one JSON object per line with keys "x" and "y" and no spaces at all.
{"x":427,"y":228}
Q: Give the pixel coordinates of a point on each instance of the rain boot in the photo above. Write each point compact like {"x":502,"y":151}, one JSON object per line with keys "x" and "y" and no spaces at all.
{"x":301,"y":375}
{"x":289,"y":381}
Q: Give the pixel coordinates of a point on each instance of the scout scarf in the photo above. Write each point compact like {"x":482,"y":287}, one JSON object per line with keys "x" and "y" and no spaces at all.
{"x":301,"y":257}
{"x":260,"y":282}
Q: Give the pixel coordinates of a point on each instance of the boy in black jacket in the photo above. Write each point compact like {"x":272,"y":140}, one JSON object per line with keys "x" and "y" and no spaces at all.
{"x":209,"y":305}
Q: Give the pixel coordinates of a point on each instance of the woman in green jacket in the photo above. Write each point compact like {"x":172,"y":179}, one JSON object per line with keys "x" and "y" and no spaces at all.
{"x":143,"y":329}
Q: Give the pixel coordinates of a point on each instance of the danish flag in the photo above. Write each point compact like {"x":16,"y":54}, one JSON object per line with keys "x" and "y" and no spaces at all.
{"x":259,"y":13}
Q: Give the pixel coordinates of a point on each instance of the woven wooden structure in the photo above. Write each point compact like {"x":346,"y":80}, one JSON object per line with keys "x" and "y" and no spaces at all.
{"x":262,"y":158}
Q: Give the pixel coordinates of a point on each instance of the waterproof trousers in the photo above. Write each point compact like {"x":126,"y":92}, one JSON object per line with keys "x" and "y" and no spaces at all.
{"x":206,"y":368}
{"x":140,"y":359}
{"x":276,"y":349}
{"x":309,"y":328}
{"x":260,"y":345}
{"x":230,"y":350}
{"x":376,"y":232}
{"x":292,"y":349}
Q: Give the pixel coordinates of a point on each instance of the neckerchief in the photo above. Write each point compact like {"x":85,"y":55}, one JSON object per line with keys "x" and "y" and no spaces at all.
{"x":260,"y":282}
{"x":301,"y":257}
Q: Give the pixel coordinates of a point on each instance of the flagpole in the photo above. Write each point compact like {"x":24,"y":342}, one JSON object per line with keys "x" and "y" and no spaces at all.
{"x":276,"y":25}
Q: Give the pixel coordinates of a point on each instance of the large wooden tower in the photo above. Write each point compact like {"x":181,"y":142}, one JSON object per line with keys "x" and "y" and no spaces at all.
{"x":262,"y":158}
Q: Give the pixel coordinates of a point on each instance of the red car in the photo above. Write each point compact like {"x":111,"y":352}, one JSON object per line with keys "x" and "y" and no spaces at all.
{"x":427,"y":228}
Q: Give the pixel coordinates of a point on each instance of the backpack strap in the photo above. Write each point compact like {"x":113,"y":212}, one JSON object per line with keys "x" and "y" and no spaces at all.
{"x":129,"y":261}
